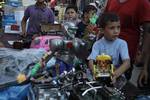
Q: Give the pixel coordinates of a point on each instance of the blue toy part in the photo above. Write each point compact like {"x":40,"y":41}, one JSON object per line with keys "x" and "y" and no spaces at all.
{"x":15,"y":93}
{"x":62,"y":66}
{"x":142,"y":97}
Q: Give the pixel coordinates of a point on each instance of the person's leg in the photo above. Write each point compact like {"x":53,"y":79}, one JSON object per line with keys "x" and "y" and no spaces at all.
{"x":135,"y":73}
{"x":146,"y":87}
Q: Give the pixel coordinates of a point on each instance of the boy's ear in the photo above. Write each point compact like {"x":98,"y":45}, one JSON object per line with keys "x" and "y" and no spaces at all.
{"x":101,"y":30}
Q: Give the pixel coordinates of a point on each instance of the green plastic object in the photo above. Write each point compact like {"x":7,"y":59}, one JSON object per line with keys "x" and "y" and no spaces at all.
{"x":93,"y":19}
{"x":35,"y":69}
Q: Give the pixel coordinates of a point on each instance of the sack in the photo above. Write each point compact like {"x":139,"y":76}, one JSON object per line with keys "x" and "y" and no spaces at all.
{"x":15,"y":93}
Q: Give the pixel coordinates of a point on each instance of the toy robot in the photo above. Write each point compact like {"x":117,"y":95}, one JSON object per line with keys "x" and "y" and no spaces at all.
{"x":103,"y":69}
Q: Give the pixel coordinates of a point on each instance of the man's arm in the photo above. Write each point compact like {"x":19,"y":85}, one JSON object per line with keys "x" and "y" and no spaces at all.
{"x":23,"y":26}
{"x":145,"y":53}
{"x":146,"y":43}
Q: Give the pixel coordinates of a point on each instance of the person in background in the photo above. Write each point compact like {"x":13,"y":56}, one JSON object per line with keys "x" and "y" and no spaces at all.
{"x":97,"y":6}
{"x":87,"y":28}
{"x":37,"y":14}
{"x":85,"y":23}
{"x":133,"y":14}
{"x":53,"y":3}
{"x":111,"y":45}
{"x":71,"y":14}
{"x":144,"y":77}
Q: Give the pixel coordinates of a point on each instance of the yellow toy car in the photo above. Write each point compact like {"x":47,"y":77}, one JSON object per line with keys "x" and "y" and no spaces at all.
{"x":103,"y":67}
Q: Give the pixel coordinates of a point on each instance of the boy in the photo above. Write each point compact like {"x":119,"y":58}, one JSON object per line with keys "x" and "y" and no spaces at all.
{"x":86,"y":28}
{"x":71,"y":14}
{"x":111,"y":45}
{"x":85,"y":25}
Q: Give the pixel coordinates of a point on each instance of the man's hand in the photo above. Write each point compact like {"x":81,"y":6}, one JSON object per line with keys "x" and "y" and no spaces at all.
{"x":23,"y":34}
{"x":138,"y":59}
{"x":145,"y":54}
{"x":143,"y":77}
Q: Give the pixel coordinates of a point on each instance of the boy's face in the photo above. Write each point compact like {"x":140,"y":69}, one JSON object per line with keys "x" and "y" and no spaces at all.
{"x":71,"y":14}
{"x":89,"y":15}
{"x":112,"y":30}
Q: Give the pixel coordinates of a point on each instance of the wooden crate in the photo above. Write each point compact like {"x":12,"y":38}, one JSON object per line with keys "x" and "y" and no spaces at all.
{"x":51,"y":27}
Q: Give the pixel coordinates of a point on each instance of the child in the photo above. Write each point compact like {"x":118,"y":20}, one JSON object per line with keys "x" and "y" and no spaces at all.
{"x":71,"y":14}
{"x":85,"y":24}
{"x":111,"y":45}
{"x":70,"y":20}
{"x":86,"y":28}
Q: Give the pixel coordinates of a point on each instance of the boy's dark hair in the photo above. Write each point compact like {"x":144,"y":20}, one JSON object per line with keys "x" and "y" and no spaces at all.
{"x":71,"y":7}
{"x":107,"y":17}
{"x":89,"y":8}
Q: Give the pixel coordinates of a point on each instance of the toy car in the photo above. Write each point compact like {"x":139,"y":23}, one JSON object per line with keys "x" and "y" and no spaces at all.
{"x":103,"y":67}
{"x":43,"y":42}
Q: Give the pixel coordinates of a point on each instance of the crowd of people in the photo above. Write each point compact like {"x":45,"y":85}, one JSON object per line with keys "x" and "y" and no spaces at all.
{"x":125,"y":25}
{"x":116,"y":30}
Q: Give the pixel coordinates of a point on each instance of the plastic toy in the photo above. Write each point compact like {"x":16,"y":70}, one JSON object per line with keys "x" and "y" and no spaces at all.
{"x":43,"y":42}
{"x":103,"y":67}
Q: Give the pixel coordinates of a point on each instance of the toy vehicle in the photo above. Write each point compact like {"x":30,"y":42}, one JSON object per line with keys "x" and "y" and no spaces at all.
{"x":103,"y":67}
{"x":49,"y":31}
{"x":43,"y":42}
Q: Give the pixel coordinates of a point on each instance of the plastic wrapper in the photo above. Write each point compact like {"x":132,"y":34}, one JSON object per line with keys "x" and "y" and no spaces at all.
{"x":14,"y":61}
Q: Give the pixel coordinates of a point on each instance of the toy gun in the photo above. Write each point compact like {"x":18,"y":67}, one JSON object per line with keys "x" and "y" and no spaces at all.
{"x":22,"y":77}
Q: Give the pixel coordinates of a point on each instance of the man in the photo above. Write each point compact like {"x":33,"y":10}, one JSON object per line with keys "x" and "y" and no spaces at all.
{"x":37,"y":14}
{"x":133,"y":15}
{"x":144,"y":77}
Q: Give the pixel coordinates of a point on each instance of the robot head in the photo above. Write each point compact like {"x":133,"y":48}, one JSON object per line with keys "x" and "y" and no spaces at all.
{"x":70,"y":28}
{"x":103,"y":60}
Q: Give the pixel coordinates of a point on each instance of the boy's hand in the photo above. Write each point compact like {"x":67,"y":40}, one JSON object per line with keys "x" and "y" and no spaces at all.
{"x":114,"y":76}
{"x":113,"y":79}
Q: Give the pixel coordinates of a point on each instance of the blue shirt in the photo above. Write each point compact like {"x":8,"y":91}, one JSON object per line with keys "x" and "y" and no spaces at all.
{"x":117,"y":49}
{"x":37,"y":16}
